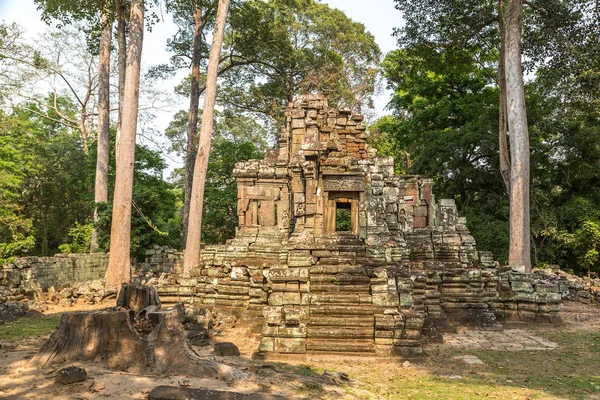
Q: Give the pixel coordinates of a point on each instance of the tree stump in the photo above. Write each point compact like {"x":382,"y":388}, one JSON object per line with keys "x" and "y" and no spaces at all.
{"x":137,"y":297}
{"x":110,"y":338}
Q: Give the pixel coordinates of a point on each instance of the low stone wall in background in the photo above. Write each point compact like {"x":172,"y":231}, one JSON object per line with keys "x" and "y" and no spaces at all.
{"x":27,"y":275}
{"x":161,"y":259}
{"x":571,"y":287}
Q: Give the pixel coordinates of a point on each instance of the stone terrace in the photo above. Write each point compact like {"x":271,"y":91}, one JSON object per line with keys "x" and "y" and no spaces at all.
{"x":335,"y":253}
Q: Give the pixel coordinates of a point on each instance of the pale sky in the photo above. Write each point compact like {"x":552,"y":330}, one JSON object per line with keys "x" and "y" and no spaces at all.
{"x":378,"y":16}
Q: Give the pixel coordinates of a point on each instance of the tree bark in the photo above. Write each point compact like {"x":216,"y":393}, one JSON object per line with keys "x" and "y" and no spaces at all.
{"x":192,"y":128}
{"x":111,"y":339}
{"x":108,"y":336}
{"x":137,"y":297}
{"x":194,"y":233}
{"x":502,"y":123}
{"x":122,"y":61}
{"x":103,"y":140}
{"x":119,"y":266}
{"x":520,"y":246}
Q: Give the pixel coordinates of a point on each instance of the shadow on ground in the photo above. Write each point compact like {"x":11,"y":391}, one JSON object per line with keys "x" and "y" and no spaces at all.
{"x":571,"y":370}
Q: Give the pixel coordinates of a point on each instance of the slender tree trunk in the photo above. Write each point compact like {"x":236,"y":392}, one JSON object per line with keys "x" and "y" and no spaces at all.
{"x":45,"y":235}
{"x":192,"y":128}
{"x":103,"y":141}
{"x":122,"y":60}
{"x":119,"y":266}
{"x":520,"y":246}
{"x":194,"y":234}
{"x":502,"y":132}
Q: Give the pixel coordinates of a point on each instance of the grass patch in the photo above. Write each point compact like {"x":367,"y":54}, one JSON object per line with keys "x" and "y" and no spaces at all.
{"x":305,"y":370}
{"x":25,"y":328}
{"x":571,"y":371}
{"x":313,"y":387}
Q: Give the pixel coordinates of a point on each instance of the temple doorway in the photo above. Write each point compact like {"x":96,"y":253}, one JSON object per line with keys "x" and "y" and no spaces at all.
{"x":341,"y":212}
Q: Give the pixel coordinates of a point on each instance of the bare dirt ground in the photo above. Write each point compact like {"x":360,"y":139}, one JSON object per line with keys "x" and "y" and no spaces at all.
{"x":564,"y":364}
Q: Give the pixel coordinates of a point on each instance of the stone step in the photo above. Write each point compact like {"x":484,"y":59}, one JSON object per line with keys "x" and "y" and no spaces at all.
{"x":330,"y":320}
{"x":341,"y":298}
{"x":340,"y":332}
{"x":331,"y":287}
{"x":341,"y":310}
{"x":347,"y":247}
{"x":340,"y":268}
{"x":341,"y":242}
{"x":328,"y":346}
{"x":340,"y":279}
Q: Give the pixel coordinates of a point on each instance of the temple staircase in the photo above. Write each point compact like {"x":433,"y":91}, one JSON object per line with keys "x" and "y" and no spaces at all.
{"x":341,"y":313}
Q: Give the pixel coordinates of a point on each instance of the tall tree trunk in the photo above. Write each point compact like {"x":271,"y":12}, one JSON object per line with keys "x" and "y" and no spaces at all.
{"x":520,"y":246}
{"x":119,"y":266}
{"x":122,"y":60}
{"x":103,"y":141}
{"x":194,"y":234}
{"x":502,"y":123}
{"x":192,"y":128}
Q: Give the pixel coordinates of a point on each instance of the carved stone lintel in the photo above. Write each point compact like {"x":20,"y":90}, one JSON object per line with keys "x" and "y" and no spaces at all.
{"x":347,"y":184}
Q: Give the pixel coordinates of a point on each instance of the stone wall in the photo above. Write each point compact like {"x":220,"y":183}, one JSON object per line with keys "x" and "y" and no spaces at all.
{"x":570,"y":287}
{"x":160,"y":259}
{"x":26,"y":275}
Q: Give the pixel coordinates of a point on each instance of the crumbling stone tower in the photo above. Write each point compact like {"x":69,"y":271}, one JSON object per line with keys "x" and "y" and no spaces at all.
{"x":336,"y":253}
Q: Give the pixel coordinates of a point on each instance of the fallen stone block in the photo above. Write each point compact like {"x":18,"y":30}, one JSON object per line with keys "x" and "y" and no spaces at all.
{"x":70,"y":375}
{"x":225,"y":349}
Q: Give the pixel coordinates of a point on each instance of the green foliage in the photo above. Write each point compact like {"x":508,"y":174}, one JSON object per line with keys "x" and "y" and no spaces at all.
{"x":343,"y":221}
{"x":228,"y":126}
{"x":16,"y":228}
{"x":286,"y":48}
{"x":381,"y":138}
{"x":156,"y":208}
{"x":46,"y":193}
{"x":220,"y":197}
{"x":587,"y":246}
{"x":445,"y":107}
{"x":81,"y":237}
{"x":44,"y":182}
{"x":446,"y":116}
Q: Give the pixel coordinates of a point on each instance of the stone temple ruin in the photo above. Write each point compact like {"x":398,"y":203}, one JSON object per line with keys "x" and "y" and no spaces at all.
{"x":335,"y":253}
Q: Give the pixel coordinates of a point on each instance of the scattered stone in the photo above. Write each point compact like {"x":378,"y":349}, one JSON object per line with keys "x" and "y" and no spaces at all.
{"x":225,"y":349}
{"x":470,"y":359}
{"x":450,"y":376}
{"x":70,"y":375}
{"x":12,"y":310}
{"x":336,"y":377}
{"x":197,"y":335}
{"x":406,"y":364}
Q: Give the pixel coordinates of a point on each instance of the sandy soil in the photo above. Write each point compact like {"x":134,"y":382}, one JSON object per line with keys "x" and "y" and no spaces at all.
{"x":287,"y":376}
